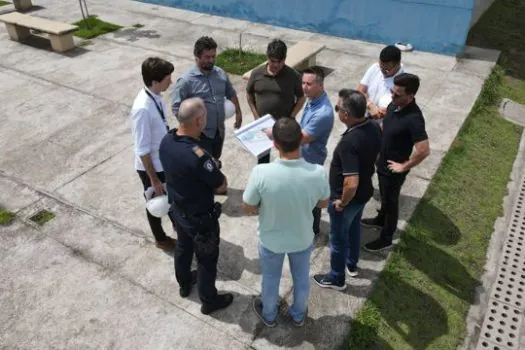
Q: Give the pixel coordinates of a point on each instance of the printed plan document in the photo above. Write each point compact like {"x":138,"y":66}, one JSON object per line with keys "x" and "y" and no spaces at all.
{"x":253,"y":138}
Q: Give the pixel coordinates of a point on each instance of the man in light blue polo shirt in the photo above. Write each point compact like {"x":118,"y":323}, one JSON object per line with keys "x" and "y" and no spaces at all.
{"x":317,"y":123}
{"x":283,"y":193}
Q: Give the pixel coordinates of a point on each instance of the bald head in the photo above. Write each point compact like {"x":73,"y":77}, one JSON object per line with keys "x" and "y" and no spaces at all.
{"x":190,"y":109}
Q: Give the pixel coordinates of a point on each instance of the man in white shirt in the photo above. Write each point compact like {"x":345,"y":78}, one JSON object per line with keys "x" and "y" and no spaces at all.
{"x":379,"y":79}
{"x":149,"y":125}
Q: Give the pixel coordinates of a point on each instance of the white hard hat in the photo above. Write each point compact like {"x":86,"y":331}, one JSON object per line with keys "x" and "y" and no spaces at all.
{"x":229,"y":108}
{"x":158,"y":206}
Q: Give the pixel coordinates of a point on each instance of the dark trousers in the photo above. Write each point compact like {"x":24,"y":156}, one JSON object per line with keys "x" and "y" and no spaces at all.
{"x":316,"y":212}
{"x":212,"y":145}
{"x":205,"y":245}
{"x":264,"y":159}
{"x":390,"y":188}
{"x":154,"y":223}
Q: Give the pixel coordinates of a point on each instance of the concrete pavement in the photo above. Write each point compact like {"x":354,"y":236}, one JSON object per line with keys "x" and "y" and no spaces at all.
{"x":91,"y":277}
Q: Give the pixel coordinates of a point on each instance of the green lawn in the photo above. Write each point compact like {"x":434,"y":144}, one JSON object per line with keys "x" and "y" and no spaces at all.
{"x":421,"y":299}
{"x":235,"y":62}
{"x":6,"y":217}
{"x":2,"y":3}
{"x":93,"y":27}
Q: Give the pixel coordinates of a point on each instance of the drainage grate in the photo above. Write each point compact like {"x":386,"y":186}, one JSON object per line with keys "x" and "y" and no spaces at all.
{"x":504,"y":315}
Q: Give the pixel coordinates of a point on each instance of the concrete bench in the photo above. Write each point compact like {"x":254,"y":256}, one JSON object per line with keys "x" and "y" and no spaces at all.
{"x":60,"y":34}
{"x":300,"y":56}
{"x":22,"y":5}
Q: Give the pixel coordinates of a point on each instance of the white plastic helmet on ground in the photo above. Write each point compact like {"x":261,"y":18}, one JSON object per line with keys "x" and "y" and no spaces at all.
{"x":229,"y":108}
{"x":158,"y":206}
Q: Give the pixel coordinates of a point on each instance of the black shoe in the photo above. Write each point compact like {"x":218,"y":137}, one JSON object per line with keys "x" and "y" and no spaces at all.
{"x":378,"y":245}
{"x":222,"y":301}
{"x":352,"y":271}
{"x":184,"y":291}
{"x":167,"y":244}
{"x":326,"y":281}
{"x":373,"y":222}
{"x":257,"y":307}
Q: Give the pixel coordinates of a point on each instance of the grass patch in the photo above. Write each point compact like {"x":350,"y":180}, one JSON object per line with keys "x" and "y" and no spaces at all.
{"x":85,"y":43}
{"x":42,"y":217}
{"x":239,"y":62}
{"x":2,"y":3}
{"x":138,"y":25}
{"x":422,"y":297}
{"x":93,"y":27}
{"x":6,"y":217}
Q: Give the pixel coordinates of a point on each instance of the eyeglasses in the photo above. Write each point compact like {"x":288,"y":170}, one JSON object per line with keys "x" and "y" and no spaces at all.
{"x":387,"y":69}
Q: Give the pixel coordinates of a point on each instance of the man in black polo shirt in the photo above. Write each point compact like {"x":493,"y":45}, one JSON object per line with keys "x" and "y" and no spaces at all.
{"x":351,"y":172}
{"x":275,"y":88}
{"x":403,"y":130}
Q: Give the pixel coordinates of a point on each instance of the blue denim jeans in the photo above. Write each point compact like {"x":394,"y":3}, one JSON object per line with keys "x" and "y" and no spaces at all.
{"x":345,"y":236}
{"x":271,"y":268}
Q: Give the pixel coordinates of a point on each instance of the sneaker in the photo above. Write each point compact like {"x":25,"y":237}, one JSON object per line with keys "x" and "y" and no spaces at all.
{"x":378,"y":245}
{"x":326,"y":281}
{"x":184,"y":291}
{"x":166,"y":244}
{"x":299,"y":323}
{"x":352,"y":271}
{"x":372,"y":222}
{"x":222,"y":301}
{"x":257,"y":307}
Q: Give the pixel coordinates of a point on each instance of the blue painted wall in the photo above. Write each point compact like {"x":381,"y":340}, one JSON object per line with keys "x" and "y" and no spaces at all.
{"x":430,"y":25}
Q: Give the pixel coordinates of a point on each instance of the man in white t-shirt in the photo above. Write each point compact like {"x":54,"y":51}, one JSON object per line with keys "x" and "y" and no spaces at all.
{"x":148,"y":126}
{"x":379,"y":79}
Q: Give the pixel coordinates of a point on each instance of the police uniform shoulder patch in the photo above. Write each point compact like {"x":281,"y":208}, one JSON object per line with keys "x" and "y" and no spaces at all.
{"x":198,"y":151}
{"x":208,"y":165}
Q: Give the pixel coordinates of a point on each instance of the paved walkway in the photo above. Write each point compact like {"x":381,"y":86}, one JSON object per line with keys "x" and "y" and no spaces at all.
{"x":91,"y":278}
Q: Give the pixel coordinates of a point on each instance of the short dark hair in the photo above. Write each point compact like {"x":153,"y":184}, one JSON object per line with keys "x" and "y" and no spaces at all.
{"x":317,"y":71}
{"x":409,"y":81}
{"x":202,"y":44}
{"x":354,"y":103}
{"x":276,"y":49}
{"x":155,"y":69}
{"x":287,"y":134}
{"x":390,"y":54}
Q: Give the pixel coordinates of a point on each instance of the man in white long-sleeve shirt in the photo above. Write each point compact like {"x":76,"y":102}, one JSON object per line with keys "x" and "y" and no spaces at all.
{"x":149,"y":125}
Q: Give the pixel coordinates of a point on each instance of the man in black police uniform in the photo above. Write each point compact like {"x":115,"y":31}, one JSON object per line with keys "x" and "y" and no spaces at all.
{"x":192,"y":176}
{"x":403,"y":130}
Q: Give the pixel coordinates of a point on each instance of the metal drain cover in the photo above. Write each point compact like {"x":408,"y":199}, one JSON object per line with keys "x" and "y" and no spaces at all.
{"x":504,"y":316}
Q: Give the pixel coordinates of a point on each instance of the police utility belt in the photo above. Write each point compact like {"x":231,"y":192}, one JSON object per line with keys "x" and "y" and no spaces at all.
{"x":201,"y":221}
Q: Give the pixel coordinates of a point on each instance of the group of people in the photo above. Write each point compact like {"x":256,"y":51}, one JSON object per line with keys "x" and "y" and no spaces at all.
{"x":289,"y":193}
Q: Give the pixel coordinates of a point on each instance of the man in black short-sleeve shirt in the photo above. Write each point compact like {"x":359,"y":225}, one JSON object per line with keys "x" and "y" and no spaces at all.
{"x":275,"y":88}
{"x":351,"y":172}
{"x":403,"y":130}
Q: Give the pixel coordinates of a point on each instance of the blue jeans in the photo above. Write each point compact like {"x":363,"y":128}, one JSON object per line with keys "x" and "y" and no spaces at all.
{"x":271,"y":268}
{"x":345,"y":236}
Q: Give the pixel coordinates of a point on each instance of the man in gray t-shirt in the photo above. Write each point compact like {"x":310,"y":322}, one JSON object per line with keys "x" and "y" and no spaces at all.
{"x":211,"y":83}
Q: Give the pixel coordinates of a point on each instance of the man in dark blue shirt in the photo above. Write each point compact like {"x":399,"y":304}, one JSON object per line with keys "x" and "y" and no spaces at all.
{"x":192,"y":177}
